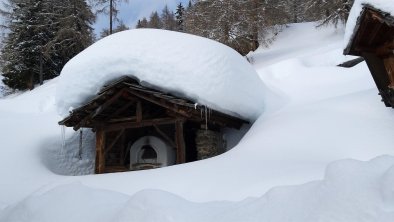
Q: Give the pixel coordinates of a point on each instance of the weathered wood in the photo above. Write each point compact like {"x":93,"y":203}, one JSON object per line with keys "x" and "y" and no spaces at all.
{"x":123,"y":149}
{"x":119,"y":111}
{"x":100,"y":153}
{"x":162,"y":134}
{"x":133,"y":118}
{"x":114,"y":141}
{"x":352,"y":63}
{"x":160,"y":102}
{"x":180,"y":142}
{"x":98,"y":110}
{"x":138,"y":111}
{"x":144,"y":123}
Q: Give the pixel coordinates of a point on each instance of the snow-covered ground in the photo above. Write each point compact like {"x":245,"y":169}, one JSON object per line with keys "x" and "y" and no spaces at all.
{"x":328,"y":116}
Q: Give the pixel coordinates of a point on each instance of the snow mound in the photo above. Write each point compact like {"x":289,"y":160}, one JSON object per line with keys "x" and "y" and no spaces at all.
{"x":188,"y":66}
{"x":384,"y":5}
{"x":351,"y":191}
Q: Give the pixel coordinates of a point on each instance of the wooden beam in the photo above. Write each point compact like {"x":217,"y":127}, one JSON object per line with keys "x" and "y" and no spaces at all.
{"x":138,"y":111}
{"x":100,"y":153}
{"x":119,"y":111}
{"x":98,"y":110}
{"x":144,"y":123}
{"x":133,"y":118}
{"x":160,"y":102}
{"x":180,"y":142}
{"x":122,"y":150}
{"x":114,"y":142}
{"x":162,"y":134}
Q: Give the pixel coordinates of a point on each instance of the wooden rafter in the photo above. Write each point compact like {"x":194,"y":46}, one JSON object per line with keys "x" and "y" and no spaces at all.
{"x":133,"y":124}
{"x":98,"y":110}
{"x":114,"y":141}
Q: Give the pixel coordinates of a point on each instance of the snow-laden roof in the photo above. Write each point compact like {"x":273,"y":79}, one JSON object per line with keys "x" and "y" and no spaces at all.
{"x":207,"y":72}
{"x":383,"y":5}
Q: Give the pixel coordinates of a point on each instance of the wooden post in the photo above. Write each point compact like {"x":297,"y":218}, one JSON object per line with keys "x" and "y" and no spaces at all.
{"x":180,"y":142}
{"x":122,"y":149}
{"x":100,"y":151}
{"x":138,"y":111}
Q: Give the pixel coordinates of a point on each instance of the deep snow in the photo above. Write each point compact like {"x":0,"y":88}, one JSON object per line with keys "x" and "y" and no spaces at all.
{"x":327,"y":113}
{"x":205,"y":71}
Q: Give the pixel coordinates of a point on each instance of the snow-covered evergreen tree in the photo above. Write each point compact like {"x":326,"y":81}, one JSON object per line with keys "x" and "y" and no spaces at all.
{"x":23,"y":50}
{"x":179,"y":15}
{"x":43,"y":36}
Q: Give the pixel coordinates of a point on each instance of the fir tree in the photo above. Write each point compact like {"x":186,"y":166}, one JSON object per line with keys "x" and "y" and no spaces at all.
{"x":168,"y":19}
{"x":24,"y":44}
{"x":155,"y":21}
{"x":179,"y":15}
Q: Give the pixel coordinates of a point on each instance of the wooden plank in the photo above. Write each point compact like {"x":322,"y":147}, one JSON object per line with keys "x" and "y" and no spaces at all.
{"x":161,"y":103}
{"x":180,"y":142}
{"x":144,"y":123}
{"x":114,"y":141}
{"x":99,"y":110}
{"x":100,"y":154}
{"x":162,"y":134}
{"x":133,"y":118}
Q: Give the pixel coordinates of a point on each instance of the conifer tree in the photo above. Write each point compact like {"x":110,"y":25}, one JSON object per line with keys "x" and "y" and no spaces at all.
{"x":43,"y":36}
{"x":155,"y":21}
{"x":179,"y":15}
{"x":23,"y":46}
{"x":168,"y":19}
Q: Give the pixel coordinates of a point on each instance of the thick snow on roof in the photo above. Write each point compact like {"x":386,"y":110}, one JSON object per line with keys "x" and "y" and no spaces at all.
{"x":384,"y":5}
{"x":207,"y":72}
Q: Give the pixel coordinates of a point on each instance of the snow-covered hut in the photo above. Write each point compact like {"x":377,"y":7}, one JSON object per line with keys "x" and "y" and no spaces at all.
{"x":370,"y":34}
{"x":157,"y":98}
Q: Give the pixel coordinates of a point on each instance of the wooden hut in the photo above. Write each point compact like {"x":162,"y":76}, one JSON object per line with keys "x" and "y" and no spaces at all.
{"x":138,"y":127}
{"x":373,"y":39}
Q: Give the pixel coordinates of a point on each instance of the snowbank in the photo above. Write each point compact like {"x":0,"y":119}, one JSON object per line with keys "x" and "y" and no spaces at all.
{"x":200,"y":69}
{"x":384,"y":5}
{"x":351,"y":191}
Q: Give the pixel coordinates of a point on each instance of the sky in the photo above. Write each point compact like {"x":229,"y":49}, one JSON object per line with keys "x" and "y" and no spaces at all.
{"x":133,"y":10}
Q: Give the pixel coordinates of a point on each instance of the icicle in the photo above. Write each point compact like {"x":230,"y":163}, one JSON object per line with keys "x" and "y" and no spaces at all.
{"x":206,"y":118}
{"x":195,"y":106}
{"x":63,"y":137}
{"x":80,"y":144}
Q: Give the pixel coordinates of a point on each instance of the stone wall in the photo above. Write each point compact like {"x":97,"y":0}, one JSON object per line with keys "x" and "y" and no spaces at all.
{"x":209,"y":144}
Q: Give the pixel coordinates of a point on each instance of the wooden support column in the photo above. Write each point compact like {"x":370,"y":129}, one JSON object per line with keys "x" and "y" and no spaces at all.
{"x":180,"y":142}
{"x":139,"y":111}
{"x":100,"y":151}
{"x":122,"y":149}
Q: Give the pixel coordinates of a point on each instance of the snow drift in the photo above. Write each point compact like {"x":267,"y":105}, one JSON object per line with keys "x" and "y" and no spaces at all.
{"x":351,"y":191}
{"x":200,"y":69}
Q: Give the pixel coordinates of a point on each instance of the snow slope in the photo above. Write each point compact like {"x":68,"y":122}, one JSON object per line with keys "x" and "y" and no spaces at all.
{"x":331,"y":113}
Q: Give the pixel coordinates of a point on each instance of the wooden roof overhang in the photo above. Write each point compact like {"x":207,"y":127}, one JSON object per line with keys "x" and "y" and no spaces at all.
{"x":373,"y":39}
{"x":373,"y":33}
{"x":111,"y":109}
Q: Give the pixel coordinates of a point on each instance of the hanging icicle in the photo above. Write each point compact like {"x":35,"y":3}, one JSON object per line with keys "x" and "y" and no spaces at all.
{"x":206,"y":118}
{"x":80,"y":144}
{"x":63,"y":135}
